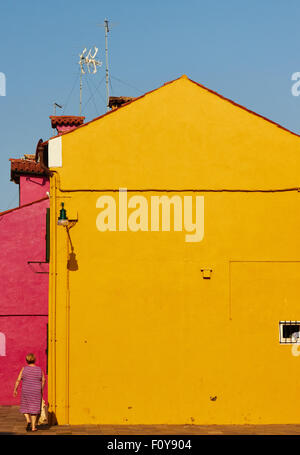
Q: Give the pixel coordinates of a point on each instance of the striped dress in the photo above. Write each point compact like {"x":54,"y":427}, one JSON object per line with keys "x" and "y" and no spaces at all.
{"x":31,"y":396}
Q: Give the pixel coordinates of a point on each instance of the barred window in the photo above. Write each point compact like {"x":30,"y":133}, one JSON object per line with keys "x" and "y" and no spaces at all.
{"x":289,"y":332}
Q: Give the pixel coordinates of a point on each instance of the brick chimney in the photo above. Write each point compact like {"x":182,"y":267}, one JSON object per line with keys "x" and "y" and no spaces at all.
{"x":117,"y":101}
{"x":64,"y":123}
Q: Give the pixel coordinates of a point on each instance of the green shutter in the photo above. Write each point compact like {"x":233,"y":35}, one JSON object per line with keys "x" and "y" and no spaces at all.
{"x":47,"y":235}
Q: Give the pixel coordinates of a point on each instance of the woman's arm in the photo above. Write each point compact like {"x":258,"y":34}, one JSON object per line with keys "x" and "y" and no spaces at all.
{"x":17,"y":383}
{"x":43,"y":381}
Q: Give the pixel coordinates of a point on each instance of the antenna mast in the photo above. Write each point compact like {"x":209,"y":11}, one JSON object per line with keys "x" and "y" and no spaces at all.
{"x":80,"y":93}
{"x":106,"y":59}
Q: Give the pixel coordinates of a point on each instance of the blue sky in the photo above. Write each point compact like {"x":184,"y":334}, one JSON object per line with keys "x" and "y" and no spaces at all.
{"x":247,"y":50}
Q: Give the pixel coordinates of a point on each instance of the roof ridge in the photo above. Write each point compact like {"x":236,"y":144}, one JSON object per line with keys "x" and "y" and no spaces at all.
{"x":243,"y":107}
{"x":23,"y":206}
{"x":184,"y":77}
{"x":115,"y":110}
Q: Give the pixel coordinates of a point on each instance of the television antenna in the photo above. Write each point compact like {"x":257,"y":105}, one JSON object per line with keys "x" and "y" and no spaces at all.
{"x":91,"y":64}
{"x":55,"y":105}
{"x":106,"y":27}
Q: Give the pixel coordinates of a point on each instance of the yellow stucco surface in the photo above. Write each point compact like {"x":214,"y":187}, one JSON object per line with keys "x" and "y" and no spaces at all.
{"x":137,"y":335}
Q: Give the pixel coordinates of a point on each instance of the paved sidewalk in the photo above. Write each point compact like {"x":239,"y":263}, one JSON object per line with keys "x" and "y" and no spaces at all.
{"x":13,"y":423}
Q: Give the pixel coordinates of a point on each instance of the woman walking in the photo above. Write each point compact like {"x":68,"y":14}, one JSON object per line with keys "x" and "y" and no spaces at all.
{"x":33,"y":381}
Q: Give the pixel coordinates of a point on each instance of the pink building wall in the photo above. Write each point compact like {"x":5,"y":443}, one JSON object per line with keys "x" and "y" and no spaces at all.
{"x":32,"y":188}
{"x":23,"y":285}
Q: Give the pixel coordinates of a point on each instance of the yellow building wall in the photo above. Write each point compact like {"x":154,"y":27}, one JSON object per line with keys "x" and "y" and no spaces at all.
{"x":137,"y":335}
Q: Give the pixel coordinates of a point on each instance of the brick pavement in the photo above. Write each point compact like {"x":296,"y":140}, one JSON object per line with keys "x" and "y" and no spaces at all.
{"x":13,"y":423}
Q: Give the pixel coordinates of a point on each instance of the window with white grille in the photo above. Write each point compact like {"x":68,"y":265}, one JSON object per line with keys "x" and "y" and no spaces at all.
{"x":289,"y":332}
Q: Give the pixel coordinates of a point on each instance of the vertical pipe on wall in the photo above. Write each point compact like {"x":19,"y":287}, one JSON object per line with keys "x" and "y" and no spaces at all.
{"x":52,"y":298}
{"x":67,"y":416}
{"x":53,"y":302}
{"x":50,"y":309}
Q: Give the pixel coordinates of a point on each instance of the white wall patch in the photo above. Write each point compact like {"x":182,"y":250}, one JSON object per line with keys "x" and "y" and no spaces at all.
{"x":55,"y":152}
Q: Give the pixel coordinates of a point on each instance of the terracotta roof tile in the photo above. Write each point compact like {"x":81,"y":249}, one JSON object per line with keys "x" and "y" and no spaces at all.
{"x":64,"y":123}
{"x":117,"y":101}
{"x":24,"y":166}
{"x":66,"y":120}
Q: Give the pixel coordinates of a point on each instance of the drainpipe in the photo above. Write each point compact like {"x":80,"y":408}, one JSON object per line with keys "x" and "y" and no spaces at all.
{"x":68,"y":336}
{"x":53,"y":260}
{"x":53,"y":272}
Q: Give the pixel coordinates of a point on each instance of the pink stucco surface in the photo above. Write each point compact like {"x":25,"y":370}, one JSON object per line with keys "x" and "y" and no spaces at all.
{"x":24,"y":292}
{"x":32,"y":188}
{"x":30,"y":337}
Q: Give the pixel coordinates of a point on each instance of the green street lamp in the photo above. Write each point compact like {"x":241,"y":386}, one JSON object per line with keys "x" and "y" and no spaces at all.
{"x":62,"y":220}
